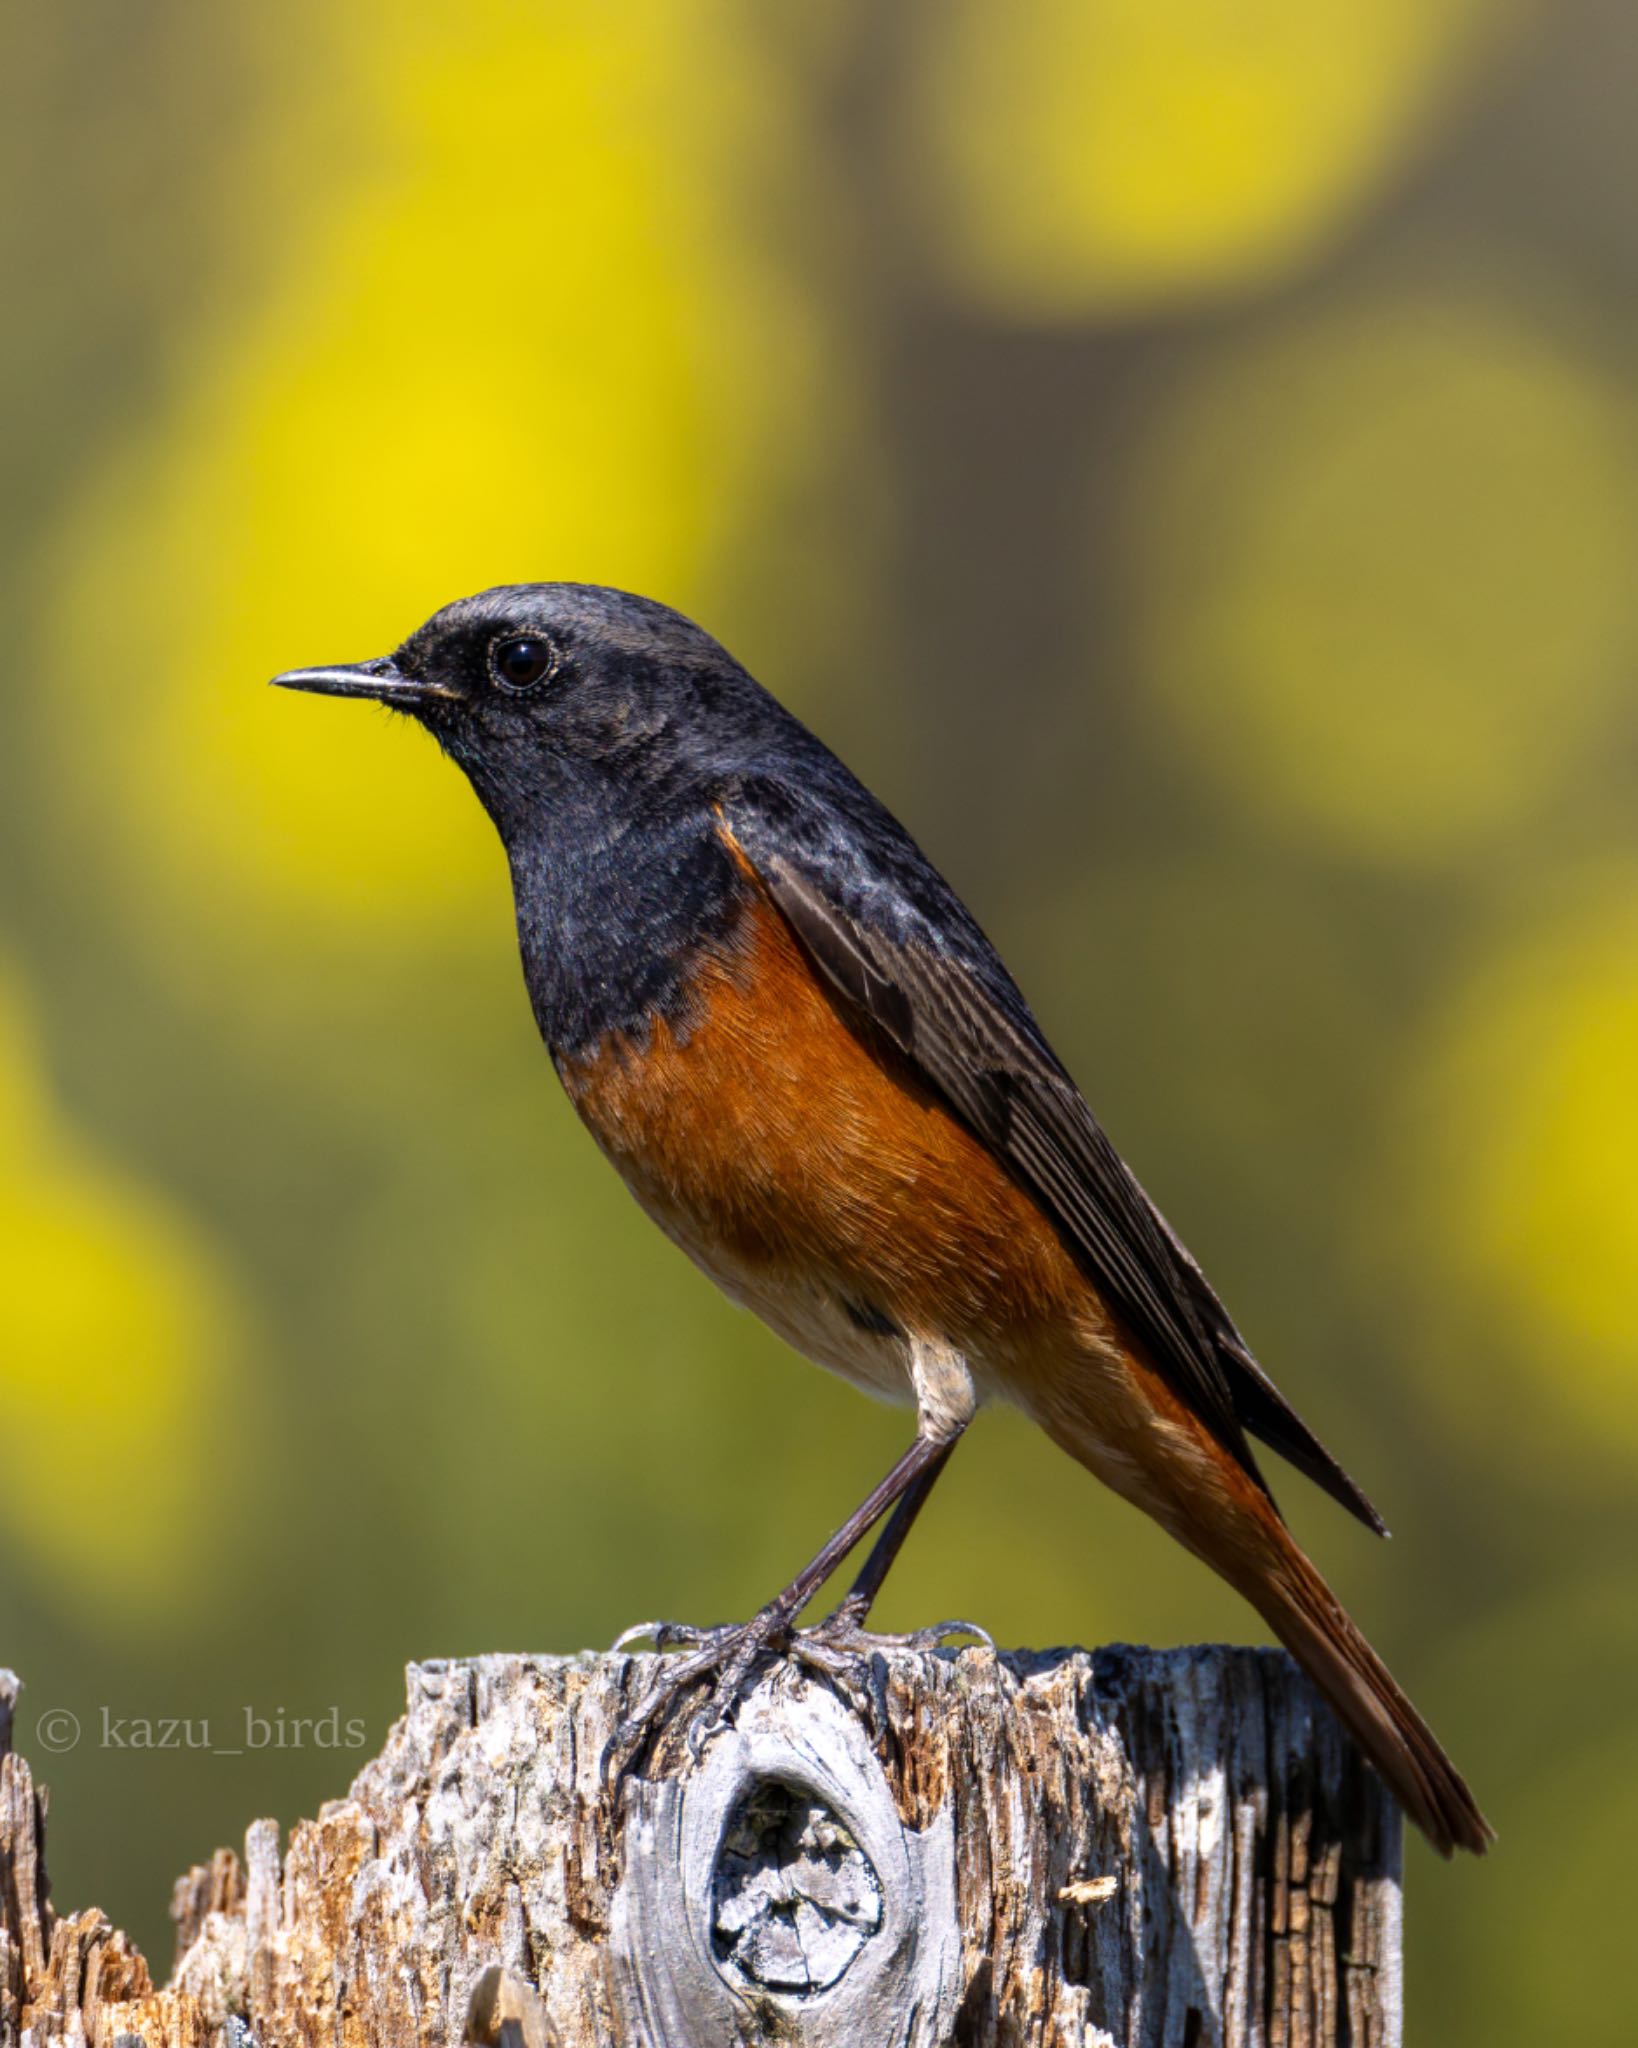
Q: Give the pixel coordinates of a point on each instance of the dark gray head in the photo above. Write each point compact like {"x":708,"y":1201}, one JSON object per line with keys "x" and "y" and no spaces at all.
{"x":557,"y":696}
{"x":607,"y":737}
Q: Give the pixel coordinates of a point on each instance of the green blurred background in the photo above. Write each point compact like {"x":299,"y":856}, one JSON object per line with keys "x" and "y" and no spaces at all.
{"x":1182,"y":454}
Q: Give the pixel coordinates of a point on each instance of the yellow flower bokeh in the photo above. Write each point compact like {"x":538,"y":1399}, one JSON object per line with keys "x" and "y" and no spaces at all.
{"x":121,"y":1334}
{"x":1090,"y":157}
{"x":1389,"y":594}
{"x":1516,"y":1141}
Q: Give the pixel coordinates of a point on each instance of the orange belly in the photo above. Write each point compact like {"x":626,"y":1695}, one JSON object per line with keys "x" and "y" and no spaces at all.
{"x":805,"y":1170}
{"x":784,"y":1152}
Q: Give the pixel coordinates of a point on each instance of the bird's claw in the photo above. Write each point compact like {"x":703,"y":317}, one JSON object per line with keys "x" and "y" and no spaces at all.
{"x":846,"y":1653}
{"x":841,"y":1635}
{"x":730,"y":1653}
{"x":664,"y":1635}
{"x":730,"y":1650}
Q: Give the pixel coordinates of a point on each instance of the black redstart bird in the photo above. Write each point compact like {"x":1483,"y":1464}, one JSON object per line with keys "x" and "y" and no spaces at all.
{"x":811,"y":1068}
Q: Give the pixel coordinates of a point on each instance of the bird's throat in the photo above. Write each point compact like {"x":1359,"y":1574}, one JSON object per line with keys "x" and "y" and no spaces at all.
{"x":611,"y":933}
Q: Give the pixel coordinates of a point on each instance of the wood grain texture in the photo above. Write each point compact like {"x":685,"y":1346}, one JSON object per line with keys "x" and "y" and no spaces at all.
{"x":1155,"y":1850}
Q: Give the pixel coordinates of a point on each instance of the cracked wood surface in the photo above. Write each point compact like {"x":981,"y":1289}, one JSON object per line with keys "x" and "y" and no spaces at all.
{"x":1156,"y":1850}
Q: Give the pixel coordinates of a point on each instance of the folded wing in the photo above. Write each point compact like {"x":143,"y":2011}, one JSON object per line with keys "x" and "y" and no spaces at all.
{"x":956,"y":1017}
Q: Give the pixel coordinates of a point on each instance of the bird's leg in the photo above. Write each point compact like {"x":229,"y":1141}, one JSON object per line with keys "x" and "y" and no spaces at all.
{"x":732,"y":1652}
{"x":861,"y":1596}
{"x":842,"y":1633}
{"x":946,"y":1400}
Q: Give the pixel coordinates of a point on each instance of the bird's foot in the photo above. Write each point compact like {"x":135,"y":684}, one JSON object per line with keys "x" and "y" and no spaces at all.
{"x":842,"y":1638}
{"x":849,"y":1656}
{"x":730,"y":1654}
{"x":727,"y":1654}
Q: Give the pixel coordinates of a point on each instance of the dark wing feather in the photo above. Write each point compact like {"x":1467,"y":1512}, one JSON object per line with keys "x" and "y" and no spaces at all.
{"x":988,"y":1062}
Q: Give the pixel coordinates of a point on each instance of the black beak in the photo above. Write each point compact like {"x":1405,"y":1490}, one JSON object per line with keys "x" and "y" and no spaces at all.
{"x":382,"y":680}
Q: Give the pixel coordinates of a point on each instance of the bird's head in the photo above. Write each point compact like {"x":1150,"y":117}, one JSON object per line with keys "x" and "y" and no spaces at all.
{"x":562,"y":694}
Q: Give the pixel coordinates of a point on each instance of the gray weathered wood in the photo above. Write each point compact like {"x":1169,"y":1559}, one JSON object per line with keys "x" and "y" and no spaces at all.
{"x":1157,"y":1850}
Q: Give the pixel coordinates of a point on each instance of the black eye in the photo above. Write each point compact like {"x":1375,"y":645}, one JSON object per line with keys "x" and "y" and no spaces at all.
{"x":520,"y":664}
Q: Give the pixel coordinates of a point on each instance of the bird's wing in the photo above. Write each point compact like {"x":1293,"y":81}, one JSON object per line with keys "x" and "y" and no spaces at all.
{"x":877,"y":921}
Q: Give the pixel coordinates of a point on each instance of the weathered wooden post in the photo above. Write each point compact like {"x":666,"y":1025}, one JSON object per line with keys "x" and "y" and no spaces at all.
{"x":1157,"y":1850}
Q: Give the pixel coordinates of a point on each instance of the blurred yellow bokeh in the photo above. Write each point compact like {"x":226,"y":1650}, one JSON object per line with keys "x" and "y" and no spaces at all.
{"x":1515,"y":1147}
{"x":122,"y":1334}
{"x":1095,"y":157}
{"x":1389,"y":593}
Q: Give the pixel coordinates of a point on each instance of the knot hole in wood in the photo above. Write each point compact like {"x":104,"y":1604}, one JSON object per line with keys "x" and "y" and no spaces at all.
{"x":794,"y":1897}
{"x":772,"y":1891}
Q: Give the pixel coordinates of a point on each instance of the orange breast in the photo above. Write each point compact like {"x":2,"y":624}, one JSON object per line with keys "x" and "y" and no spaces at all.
{"x":773,"y":1142}
{"x":802,"y":1168}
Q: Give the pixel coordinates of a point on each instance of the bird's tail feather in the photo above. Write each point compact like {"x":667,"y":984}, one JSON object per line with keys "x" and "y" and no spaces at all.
{"x":1318,"y":1631}
{"x":1204,"y":1498}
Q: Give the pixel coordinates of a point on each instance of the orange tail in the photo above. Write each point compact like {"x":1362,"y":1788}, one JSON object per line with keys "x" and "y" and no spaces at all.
{"x":1140,"y":1440}
{"x":1318,"y":1631}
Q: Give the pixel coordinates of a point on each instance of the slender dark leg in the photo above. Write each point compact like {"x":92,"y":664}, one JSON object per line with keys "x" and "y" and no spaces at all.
{"x":905,"y":1487}
{"x":862,"y":1594}
{"x":733,"y":1652}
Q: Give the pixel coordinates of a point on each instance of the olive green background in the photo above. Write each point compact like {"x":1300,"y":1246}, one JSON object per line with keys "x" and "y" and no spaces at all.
{"x":1182,"y":455}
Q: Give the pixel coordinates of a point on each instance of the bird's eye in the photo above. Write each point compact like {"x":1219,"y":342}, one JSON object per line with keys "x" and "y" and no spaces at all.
{"x":522,"y":663}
